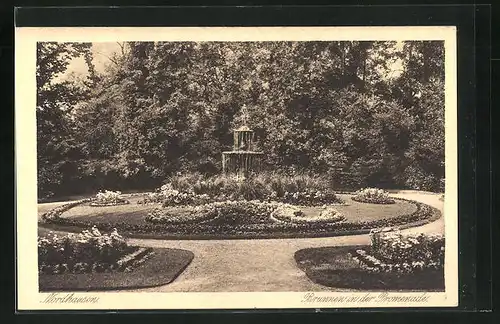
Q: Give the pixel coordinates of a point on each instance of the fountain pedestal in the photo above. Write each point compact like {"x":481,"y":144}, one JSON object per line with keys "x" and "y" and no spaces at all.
{"x":242,"y":160}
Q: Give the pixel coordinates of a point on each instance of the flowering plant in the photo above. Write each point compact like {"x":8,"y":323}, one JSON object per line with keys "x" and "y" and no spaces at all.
{"x":203,"y":227}
{"x":173,"y":197}
{"x":393,"y":251}
{"x":238,"y":212}
{"x":220,"y":190}
{"x":88,"y":251}
{"x":290,"y":213}
{"x":373,"y":196}
{"x":308,"y":197}
{"x":397,"y":247}
{"x":151,"y":197}
{"x":331,"y":215}
{"x":109,"y":198}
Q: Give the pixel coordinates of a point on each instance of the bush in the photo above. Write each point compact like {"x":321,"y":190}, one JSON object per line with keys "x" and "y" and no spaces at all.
{"x":373,"y":196}
{"x":109,"y":198}
{"x":290,"y":213}
{"x":172,"y":197}
{"x":394,"y":252}
{"x":332,"y":215}
{"x":399,"y":248}
{"x":87,"y":251}
{"x":299,"y":189}
{"x":151,"y":198}
{"x":238,"y":212}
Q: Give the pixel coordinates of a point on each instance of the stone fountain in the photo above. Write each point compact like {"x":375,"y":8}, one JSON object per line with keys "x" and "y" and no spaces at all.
{"x":243,"y":159}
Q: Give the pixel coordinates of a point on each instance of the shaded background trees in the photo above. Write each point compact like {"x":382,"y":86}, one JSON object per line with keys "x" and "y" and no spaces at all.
{"x":361,"y":113}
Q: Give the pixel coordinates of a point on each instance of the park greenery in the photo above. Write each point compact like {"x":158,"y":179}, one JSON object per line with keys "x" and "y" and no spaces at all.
{"x":85,"y":252}
{"x":373,"y":195}
{"x":237,"y":218}
{"x":393,"y":261}
{"x":359,"y":114}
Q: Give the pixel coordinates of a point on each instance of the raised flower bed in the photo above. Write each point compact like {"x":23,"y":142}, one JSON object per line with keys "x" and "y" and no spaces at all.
{"x":395,"y":252}
{"x":392,"y":262}
{"x":89,"y":251}
{"x":95,"y":261}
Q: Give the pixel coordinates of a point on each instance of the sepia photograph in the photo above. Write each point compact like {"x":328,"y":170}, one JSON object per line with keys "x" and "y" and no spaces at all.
{"x":224,"y":162}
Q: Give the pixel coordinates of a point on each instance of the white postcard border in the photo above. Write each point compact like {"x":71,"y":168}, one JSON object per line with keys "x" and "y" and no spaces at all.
{"x":28,"y":296}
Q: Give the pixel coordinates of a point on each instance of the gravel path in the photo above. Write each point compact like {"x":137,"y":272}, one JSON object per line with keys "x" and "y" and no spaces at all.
{"x":261,"y":265}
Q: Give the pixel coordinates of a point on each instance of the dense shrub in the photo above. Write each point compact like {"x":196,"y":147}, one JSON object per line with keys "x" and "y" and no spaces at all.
{"x":395,"y":252}
{"x":109,"y":198}
{"x":238,"y":212}
{"x":373,"y":196}
{"x":84,"y":252}
{"x":290,"y":213}
{"x":300,"y":189}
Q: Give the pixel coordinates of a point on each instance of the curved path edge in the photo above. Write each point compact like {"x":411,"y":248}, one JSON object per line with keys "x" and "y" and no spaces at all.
{"x":263,"y":265}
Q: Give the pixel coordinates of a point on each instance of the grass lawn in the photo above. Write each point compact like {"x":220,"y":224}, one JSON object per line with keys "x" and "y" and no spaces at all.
{"x":160,"y":269}
{"x":333,"y":267}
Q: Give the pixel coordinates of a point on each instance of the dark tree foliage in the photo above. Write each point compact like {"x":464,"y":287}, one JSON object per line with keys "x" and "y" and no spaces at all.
{"x":340,"y":109}
{"x":57,"y":148}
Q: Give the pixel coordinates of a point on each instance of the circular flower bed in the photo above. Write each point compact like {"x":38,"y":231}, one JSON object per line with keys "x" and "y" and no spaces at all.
{"x":245,"y":219}
{"x":373,"y":196}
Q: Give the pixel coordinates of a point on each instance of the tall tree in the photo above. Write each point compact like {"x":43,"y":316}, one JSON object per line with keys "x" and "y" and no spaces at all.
{"x":56,"y":98}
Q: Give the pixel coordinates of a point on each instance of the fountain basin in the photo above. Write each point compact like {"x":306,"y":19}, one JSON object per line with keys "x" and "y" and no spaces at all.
{"x":241,"y":162}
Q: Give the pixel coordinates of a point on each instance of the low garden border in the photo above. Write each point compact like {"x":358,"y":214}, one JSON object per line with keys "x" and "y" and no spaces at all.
{"x":365,"y":201}
{"x":423,"y":215}
{"x":98,"y":204}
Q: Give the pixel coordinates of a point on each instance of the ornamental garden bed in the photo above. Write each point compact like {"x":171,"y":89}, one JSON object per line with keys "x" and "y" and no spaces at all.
{"x":163,"y":267}
{"x":94,"y":261}
{"x":392,"y":263}
{"x":236,"y":220}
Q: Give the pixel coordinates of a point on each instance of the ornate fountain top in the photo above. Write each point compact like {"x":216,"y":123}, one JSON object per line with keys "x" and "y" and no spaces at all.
{"x":244,"y":118}
{"x":243,"y":158}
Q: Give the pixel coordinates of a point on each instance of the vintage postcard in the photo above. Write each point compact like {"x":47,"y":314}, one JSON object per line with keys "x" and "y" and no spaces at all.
{"x":236,"y":167}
